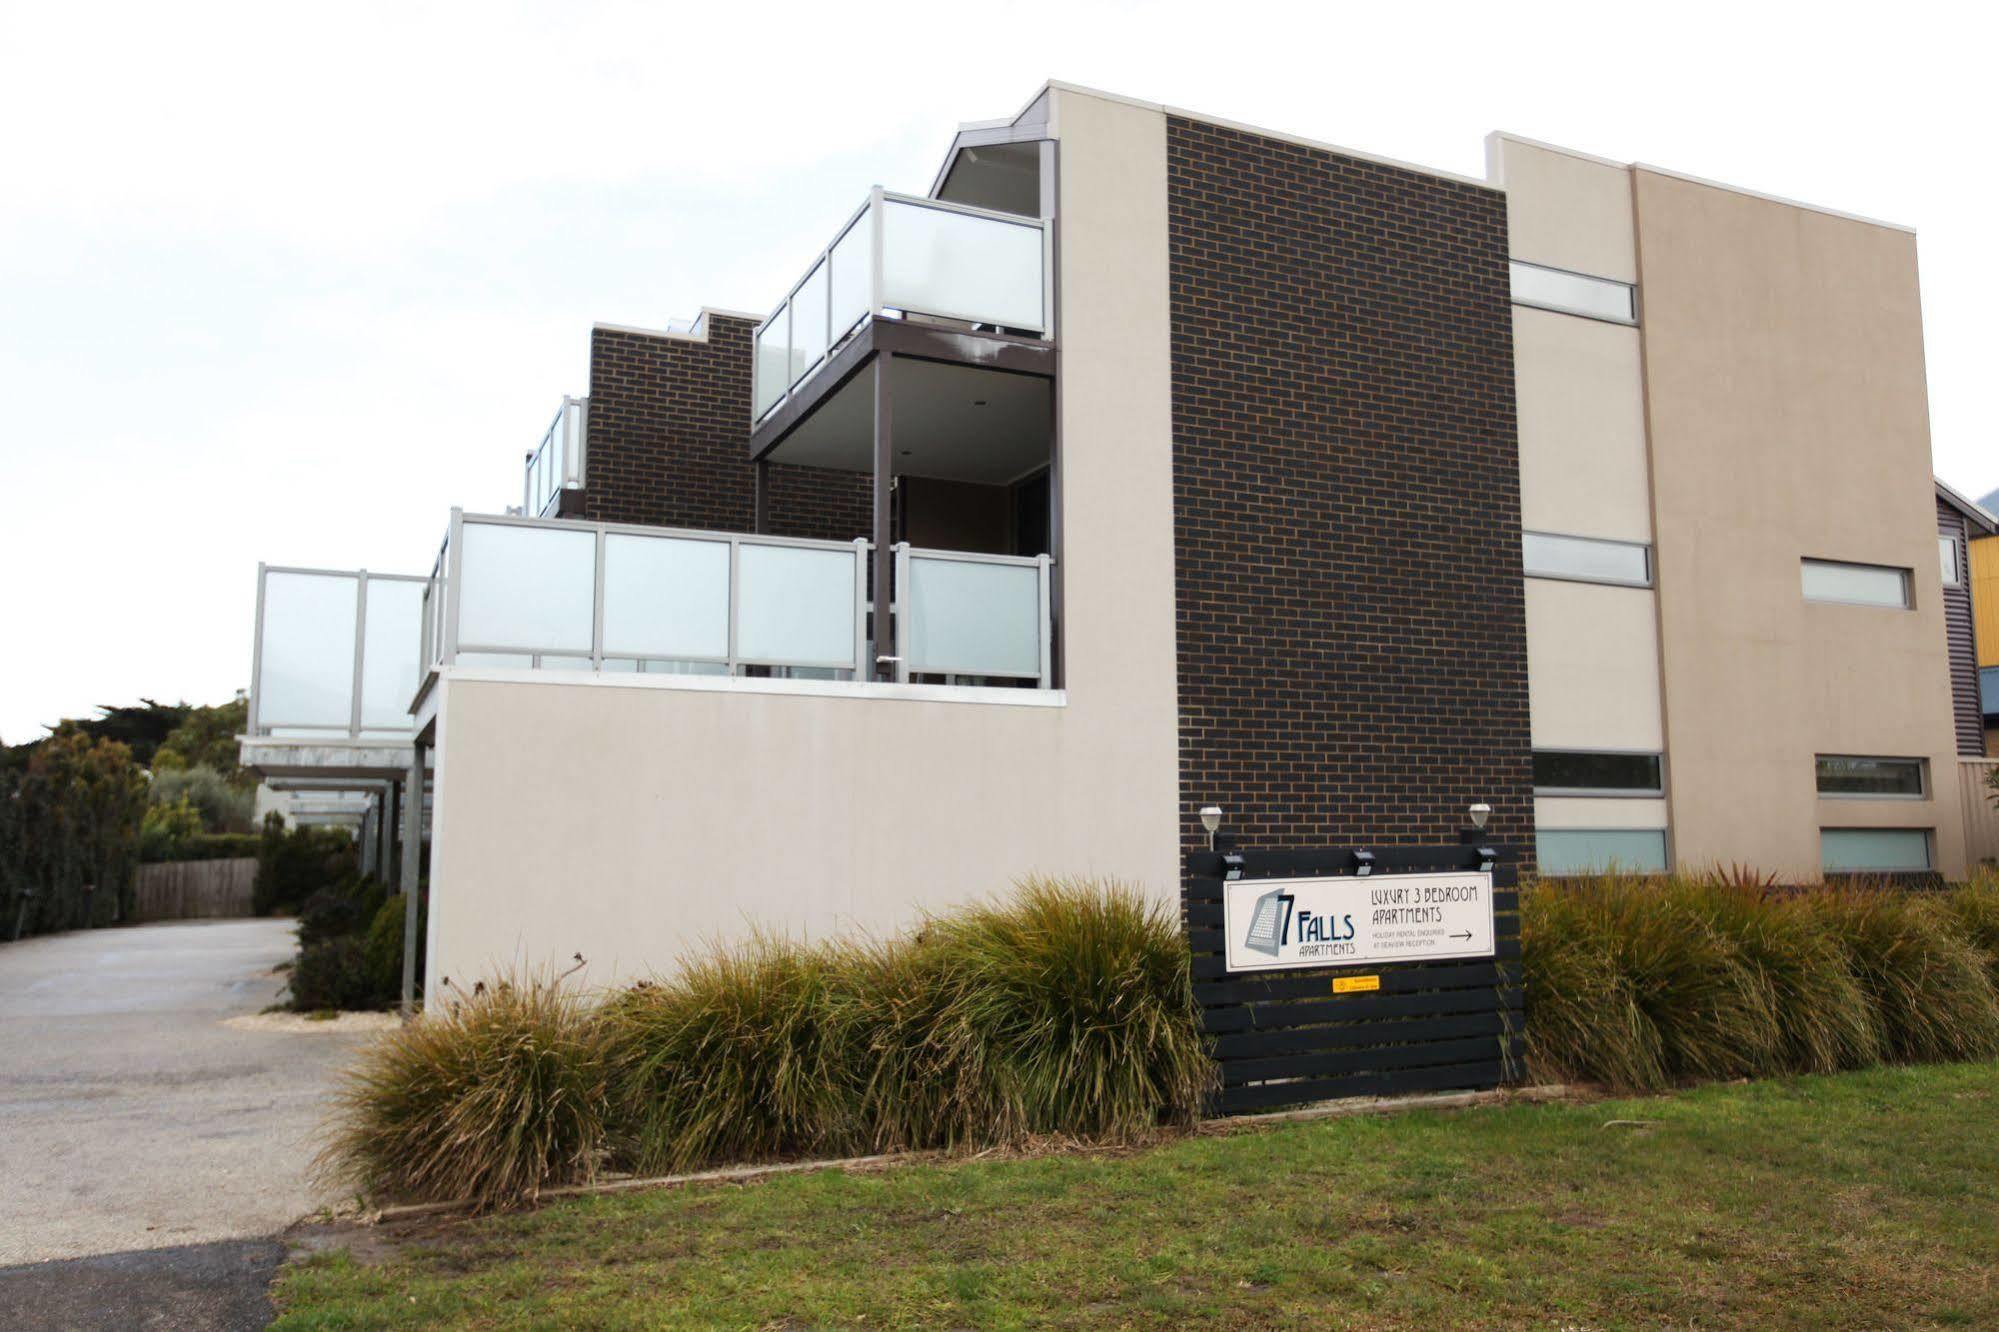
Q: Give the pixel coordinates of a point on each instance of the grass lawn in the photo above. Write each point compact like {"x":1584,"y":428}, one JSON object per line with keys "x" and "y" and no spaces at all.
{"x":1859,"y":1200}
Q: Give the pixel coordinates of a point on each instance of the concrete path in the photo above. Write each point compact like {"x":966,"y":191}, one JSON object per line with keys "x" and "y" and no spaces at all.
{"x":131,"y":1117}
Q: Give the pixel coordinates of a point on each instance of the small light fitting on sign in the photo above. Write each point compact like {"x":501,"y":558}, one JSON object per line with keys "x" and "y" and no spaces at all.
{"x":1211,"y":819}
{"x":1479,"y":814}
{"x":1363,"y":863}
{"x":1487,"y":857}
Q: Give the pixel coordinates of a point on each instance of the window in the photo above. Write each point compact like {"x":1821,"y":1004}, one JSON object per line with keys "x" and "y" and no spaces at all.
{"x":1947,"y":553}
{"x":1856,"y":584}
{"x":1843,"y":775}
{"x":1562,"y":851}
{"x":1586,"y":559}
{"x":1588,"y":772}
{"x":1874,"y":850}
{"x":1574,"y":293}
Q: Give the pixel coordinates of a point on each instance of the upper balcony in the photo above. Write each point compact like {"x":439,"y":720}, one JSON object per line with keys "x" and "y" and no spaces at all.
{"x":554,"y":484}
{"x":904,"y":257}
{"x":531,"y":594}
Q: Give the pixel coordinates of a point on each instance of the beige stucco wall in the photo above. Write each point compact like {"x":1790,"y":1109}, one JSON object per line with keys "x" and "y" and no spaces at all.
{"x":1580,"y":392}
{"x":1564,"y":209}
{"x":1788,"y":418}
{"x":1592,"y":666}
{"x":633,"y":818}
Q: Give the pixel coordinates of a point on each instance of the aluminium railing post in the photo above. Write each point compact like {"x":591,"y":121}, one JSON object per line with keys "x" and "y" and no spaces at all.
{"x":900,"y":634}
{"x":861,"y":641}
{"x":256,"y":659}
{"x":360,"y":654}
{"x":735,"y":591}
{"x":1041,"y":563}
{"x":454,"y":572}
{"x":875,"y":251}
{"x":597,"y":605}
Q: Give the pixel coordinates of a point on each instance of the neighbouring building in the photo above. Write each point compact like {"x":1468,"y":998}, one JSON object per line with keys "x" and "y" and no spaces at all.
{"x":1149,"y":462}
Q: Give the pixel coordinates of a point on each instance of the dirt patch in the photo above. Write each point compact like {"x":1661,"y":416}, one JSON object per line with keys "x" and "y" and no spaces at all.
{"x":312,"y":1022}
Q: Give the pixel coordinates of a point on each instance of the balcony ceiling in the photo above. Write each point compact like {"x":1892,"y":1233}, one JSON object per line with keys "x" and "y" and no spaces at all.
{"x":1005,"y":177}
{"x":939,"y":429}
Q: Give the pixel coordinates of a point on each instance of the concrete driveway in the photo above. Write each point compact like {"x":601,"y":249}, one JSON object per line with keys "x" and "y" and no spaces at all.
{"x":131,"y":1116}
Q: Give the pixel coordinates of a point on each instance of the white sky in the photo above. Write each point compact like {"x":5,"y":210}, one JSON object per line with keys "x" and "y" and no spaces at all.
{"x":286,"y":282}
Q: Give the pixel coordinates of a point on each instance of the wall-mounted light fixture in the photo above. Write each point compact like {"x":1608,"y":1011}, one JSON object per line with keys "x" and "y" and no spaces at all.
{"x":1479,"y":814}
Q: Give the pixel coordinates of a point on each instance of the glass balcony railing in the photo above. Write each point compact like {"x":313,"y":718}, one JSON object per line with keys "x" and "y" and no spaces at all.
{"x":524,"y":593}
{"x":556,"y":464}
{"x":902,"y":255}
{"x":336,"y":654}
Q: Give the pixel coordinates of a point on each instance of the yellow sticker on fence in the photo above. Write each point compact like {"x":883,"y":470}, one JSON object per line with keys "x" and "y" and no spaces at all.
{"x":1355,"y":984}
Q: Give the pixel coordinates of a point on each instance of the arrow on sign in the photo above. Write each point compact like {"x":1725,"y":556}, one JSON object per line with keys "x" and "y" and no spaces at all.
{"x":1465,"y":935}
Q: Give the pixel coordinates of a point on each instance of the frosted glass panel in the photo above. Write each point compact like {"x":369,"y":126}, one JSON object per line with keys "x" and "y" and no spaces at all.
{"x":772,"y":356}
{"x":808,"y":322}
{"x":1859,"y":584}
{"x":665,"y":598}
{"x":1574,"y":293}
{"x":1548,"y":556}
{"x":1591,"y":850}
{"x":967,"y":618}
{"x":526,"y":588}
{"x":961,"y":267}
{"x":1877,"y":850}
{"x":389,"y":658}
{"x":850,"y":291}
{"x":796,"y":605}
{"x":306,"y":671}
{"x":503,"y":660}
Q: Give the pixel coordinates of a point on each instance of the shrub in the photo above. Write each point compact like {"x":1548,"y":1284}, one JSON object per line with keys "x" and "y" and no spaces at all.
{"x":165,"y":828}
{"x":347,"y":907}
{"x":1640,"y":983}
{"x":295,"y":863}
{"x":332,"y":975}
{"x":1928,"y":984}
{"x":384,"y":946}
{"x":1070,"y":1010}
{"x":223,"y":806}
{"x":491,"y":1098}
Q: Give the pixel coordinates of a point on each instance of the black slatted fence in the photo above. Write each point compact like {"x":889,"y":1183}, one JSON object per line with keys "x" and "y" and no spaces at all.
{"x":1287,"y":1037}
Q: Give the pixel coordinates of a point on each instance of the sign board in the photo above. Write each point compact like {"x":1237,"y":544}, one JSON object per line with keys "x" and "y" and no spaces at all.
{"x":1354,"y":920}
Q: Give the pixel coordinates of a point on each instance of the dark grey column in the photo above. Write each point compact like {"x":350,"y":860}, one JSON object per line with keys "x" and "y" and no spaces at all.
{"x":412,"y":868}
{"x":886,"y":650}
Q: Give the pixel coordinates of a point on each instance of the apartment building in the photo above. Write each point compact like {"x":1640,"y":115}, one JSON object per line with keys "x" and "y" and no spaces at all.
{"x":1150,"y":462}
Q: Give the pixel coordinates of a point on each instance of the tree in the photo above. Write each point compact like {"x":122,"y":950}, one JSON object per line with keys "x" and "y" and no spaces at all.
{"x":206,"y":738}
{"x":81,"y":801}
{"x":140,"y":728}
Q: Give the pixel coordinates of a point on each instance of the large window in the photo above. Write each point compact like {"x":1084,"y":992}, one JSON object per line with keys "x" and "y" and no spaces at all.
{"x":1953,"y":566}
{"x":1589,"y":772}
{"x":1586,"y":559}
{"x":1846,"y":775}
{"x":1856,"y":584}
{"x":1567,"y":851}
{"x":1574,"y":293}
{"x":1874,"y":850}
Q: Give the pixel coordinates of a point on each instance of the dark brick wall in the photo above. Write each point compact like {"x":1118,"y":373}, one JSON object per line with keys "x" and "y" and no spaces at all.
{"x":669,"y":441}
{"x":1352,"y":636}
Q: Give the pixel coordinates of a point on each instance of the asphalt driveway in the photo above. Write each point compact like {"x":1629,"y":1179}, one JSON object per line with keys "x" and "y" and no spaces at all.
{"x":131,"y":1116}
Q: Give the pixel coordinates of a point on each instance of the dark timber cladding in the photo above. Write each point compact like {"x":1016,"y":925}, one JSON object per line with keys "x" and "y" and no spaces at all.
{"x":1352,"y":635}
{"x":1965,"y":708}
{"x":669,"y":434}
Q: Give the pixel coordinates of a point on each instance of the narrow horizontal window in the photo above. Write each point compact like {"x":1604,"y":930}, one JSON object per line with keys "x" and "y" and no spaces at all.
{"x":1561,"y":851}
{"x":1574,"y":293}
{"x":1856,"y":584}
{"x":1567,"y":771}
{"x":1874,"y":850}
{"x":1844,"y":775}
{"x":1588,"y":559}
{"x":1952,"y":567}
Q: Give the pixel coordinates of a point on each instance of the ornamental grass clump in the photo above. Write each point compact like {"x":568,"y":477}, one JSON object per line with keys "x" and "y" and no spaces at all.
{"x":490,"y":1098}
{"x":739,"y":1057}
{"x":1068,"y":1009}
{"x":1641,"y":983}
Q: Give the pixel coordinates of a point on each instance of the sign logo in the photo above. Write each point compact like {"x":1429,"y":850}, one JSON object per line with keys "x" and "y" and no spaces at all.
{"x":1350,"y":921}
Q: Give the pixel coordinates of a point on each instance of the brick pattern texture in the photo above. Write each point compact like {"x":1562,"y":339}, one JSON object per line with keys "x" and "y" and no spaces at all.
{"x":1352,"y":633}
{"x":669,"y":442}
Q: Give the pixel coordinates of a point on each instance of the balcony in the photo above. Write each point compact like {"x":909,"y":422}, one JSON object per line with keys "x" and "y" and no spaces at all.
{"x":531,"y":594}
{"x":554,"y":482}
{"x":904,"y":257}
{"x":336,"y":655}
